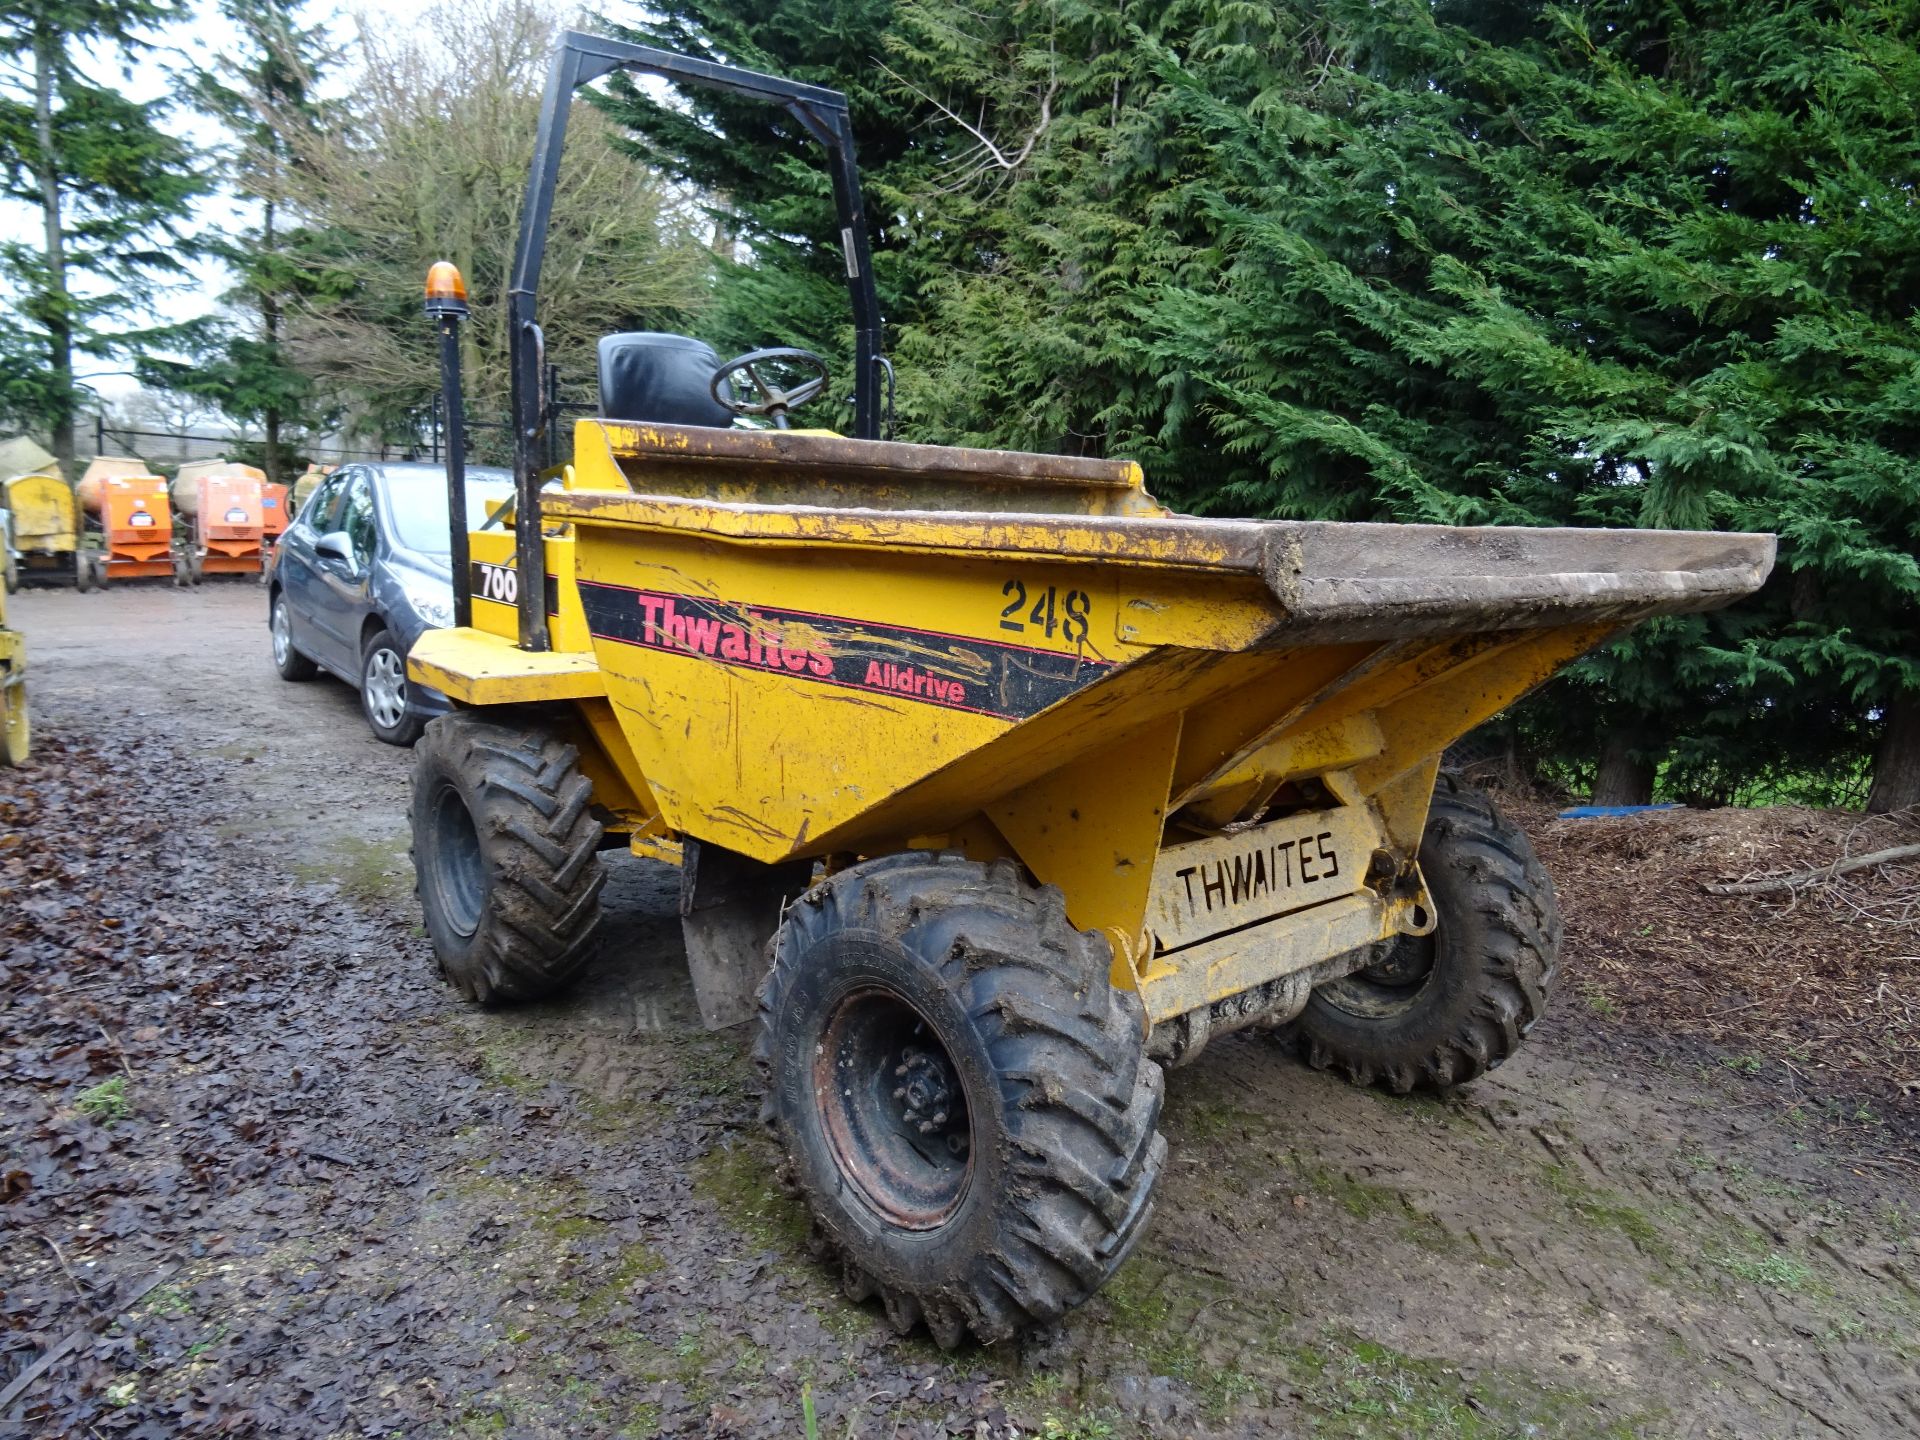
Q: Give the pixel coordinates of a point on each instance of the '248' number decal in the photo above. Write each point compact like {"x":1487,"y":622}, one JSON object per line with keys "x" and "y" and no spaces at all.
{"x":1051,"y":612}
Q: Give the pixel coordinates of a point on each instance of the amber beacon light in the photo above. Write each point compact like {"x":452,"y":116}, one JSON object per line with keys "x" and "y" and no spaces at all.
{"x":446,"y":290}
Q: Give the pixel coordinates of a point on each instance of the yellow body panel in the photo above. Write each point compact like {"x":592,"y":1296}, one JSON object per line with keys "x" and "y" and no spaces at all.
{"x":811,"y":647}
{"x":476,"y":668}
{"x":495,"y":586}
{"x":46,"y":517}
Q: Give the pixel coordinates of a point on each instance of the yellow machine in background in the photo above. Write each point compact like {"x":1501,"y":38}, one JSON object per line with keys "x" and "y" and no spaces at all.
{"x":995,"y":786}
{"x":305,"y":485}
{"x":45,"y":526}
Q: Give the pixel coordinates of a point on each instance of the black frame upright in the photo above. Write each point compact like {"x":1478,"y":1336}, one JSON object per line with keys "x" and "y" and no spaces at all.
{"x":582,"y":59}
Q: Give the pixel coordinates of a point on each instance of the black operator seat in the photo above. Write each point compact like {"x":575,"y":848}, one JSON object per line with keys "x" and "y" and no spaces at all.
{"x":660,"y":380}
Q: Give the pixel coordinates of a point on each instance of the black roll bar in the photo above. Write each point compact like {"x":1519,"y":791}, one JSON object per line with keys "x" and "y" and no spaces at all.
{"x":582,"y":59}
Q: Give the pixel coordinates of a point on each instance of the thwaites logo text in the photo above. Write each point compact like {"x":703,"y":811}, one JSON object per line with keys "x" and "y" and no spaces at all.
{"x":1266,"y":868}
{"x":955,"y":672}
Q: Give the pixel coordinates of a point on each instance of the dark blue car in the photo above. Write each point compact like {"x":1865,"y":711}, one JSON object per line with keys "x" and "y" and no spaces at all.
{"x":360,"y":572}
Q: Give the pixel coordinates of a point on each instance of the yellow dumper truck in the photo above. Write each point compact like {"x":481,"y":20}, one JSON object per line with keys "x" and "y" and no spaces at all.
{"x":995,"y":786}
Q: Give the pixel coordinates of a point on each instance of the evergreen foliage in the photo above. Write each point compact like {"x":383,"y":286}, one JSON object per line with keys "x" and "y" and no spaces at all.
{"x":263,"y":89}
{"x":782,"y":279}
{"x":111,"y":188}
{"x":1625,"y":263}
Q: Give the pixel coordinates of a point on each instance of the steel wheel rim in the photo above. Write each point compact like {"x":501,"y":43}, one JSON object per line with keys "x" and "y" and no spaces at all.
{"x":893,"y":1109}
{"x":386,"y":688}
{"x":282,"y":636}
{"x":459,"y":871}
{"x":1391,"y":985}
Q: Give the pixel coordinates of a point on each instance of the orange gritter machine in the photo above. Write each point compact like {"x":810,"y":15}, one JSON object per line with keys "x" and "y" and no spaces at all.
{"x":224,"y":501}
{"x":276,"y":511}
{"x":127,"y":506}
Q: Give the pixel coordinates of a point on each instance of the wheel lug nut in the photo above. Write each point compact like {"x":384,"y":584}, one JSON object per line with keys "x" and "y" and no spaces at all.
{"x":939,"y":1117}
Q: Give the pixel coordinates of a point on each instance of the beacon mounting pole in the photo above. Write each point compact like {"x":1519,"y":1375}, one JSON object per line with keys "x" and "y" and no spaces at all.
{"x":447,"y":303}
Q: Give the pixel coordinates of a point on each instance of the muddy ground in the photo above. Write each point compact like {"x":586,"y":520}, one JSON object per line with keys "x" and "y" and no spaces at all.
{"x":261,"y":1173}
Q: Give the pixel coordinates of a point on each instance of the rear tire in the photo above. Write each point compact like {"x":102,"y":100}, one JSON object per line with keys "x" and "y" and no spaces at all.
{"x":287,"y":660}
{"x":386,"y":695}
{"x":1439,"y":1010}
{"x":506,"y":856}
{"x":964,"y":1097}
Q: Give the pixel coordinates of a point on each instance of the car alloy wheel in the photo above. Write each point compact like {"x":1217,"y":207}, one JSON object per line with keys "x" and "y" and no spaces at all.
{"x":386,"y":687}
{"x":282,"y":635}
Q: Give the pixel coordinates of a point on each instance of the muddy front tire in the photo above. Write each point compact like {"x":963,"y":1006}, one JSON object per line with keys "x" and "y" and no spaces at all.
{"x":1438,"y":1010}
{"x":505,"y":856}
{"x":965,"y":1099}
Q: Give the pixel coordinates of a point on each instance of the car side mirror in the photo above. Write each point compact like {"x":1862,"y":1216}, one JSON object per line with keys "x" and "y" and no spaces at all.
{"x":336,"y":546}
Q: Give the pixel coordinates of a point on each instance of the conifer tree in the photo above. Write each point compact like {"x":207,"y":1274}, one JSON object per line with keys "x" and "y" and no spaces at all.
{"x":763,"y":177}
{"x":263,"y":89}
{"x":111,"y":188}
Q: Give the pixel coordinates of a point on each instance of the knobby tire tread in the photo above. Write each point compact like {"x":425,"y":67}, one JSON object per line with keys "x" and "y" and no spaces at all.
{"x":539,"y":924}
{"x":1079,"y":1096}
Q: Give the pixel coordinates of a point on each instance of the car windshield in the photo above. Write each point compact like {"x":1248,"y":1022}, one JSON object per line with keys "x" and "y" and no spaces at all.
{"x":419,"y":507}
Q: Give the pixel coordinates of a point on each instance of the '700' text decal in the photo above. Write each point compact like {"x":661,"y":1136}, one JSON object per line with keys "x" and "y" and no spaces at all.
{"x":953,"y":671}
{"x":501,"y":584}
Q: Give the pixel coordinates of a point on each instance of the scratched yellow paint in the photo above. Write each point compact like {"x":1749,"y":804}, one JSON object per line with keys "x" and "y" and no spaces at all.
{"x":491,"y":556}
{"x":479,"y":668}
{"x":761,"y":759}
{"x":779,"y":644}
{"x":15,"y":728}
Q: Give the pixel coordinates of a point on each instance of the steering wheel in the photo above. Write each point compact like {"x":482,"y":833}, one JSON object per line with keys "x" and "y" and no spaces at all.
{"x":775,"y":400}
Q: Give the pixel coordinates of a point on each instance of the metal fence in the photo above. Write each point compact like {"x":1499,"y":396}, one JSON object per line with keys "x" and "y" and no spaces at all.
{"x":489,"y":440}
{"x":171,"y":448}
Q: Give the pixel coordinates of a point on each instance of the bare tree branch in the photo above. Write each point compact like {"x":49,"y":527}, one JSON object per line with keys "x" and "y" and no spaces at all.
{"x":995,"y":156}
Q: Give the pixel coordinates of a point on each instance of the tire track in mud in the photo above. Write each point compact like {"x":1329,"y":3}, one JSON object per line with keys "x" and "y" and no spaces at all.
{"x":1592,"y":1235}
{"x":1723,"y":1218}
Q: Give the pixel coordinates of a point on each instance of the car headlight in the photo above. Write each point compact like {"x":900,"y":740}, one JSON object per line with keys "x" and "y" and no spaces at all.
{"x":430,"y":601}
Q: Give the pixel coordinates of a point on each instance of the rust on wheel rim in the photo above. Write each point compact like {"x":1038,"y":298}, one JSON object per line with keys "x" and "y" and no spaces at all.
{"x":893,"y":1109}
{"x":1393,"y":984}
